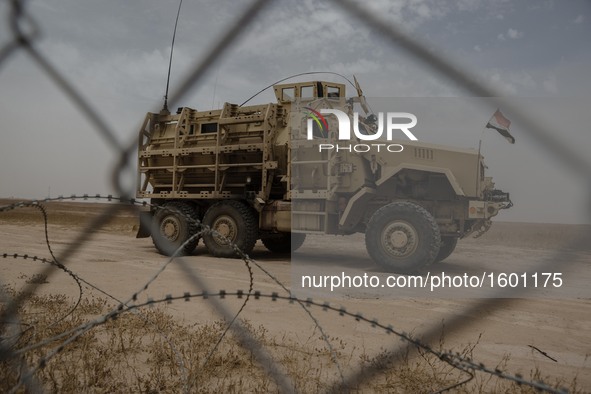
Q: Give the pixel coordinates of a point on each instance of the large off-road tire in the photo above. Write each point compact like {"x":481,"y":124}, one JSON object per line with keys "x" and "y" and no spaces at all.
{"x":402,"y":237}
{"x":173,"y":224}
{"x":284,"y":242}
{"x":235,"y":221}
{"x":448,"y":244}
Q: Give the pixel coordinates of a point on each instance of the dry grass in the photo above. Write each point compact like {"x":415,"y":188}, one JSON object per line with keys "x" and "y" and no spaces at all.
{"x":149,"y":351}
{"x":72,"y":214}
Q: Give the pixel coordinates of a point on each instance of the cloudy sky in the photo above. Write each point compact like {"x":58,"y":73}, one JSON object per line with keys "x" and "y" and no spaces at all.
{"x":116,"y":54}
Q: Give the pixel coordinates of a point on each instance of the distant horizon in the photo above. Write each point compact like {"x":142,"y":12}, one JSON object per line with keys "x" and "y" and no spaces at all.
{"x":92,"y":199}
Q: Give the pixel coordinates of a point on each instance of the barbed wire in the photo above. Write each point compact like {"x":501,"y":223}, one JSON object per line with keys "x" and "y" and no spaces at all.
{"x":25,"y":31}
{"x":49,"y":340}
{"x":453,"y":359}
{"x":28,"y":374}
{"x":53,"y":260}
{"x":205,"y":230}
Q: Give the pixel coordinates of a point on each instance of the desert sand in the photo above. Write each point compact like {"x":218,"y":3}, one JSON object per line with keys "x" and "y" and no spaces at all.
{"x":117,"y":263}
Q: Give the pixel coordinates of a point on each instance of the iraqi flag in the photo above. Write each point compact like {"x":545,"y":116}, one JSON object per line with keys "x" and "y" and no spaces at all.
{"x":501,"y":124}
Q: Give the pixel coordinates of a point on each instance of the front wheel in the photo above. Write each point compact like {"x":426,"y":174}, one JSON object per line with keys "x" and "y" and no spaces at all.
{"x":402,"y":237}
{"x":234,"y":224}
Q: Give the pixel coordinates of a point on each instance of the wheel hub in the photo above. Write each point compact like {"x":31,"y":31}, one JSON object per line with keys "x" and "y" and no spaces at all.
{"x":170,"y":228}
{"x":223,"y":229}
{"x":399,"y":239}
{"x":226,"y":228}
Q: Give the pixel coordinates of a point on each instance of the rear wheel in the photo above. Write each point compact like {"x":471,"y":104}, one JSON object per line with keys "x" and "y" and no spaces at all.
{"x":402,"y":237}
{"x":284,"y":242}
{"x":448,"y":244}
{"x":173,"y":225}
{"x":234,"y":223}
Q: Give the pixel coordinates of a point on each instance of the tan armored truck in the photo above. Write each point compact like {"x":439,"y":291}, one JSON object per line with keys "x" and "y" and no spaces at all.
{"x":279,"y":171}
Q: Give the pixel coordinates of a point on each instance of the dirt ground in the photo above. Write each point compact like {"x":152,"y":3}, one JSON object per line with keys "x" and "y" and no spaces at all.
{"x":118,"y":264}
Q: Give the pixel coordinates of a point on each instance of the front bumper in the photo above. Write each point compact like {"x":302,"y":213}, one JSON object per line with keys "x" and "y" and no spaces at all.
{"x":494,"y":201}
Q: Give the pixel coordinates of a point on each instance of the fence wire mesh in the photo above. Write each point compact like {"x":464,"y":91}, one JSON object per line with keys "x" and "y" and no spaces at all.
{"x":26,"y":31}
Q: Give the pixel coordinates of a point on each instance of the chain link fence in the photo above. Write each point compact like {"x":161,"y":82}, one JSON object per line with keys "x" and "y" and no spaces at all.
{"x":26,"y":31}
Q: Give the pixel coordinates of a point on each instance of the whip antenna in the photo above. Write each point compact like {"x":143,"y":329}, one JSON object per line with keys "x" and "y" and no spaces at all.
{"x":165,"y":110}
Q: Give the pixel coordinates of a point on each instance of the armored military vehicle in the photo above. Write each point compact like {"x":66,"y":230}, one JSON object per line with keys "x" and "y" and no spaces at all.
{"x":279,"y":171}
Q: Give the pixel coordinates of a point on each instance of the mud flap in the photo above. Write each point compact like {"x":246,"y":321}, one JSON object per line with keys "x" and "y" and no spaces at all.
{"x":145,"y":229}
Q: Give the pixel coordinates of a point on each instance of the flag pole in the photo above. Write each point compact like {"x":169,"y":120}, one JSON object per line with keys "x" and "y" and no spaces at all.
{"x":478,"y":160}
{"x":499,"y":123}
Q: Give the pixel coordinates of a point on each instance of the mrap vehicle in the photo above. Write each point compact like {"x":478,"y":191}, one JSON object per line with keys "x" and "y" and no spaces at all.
{"x":261,"y":172}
